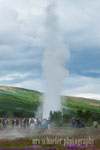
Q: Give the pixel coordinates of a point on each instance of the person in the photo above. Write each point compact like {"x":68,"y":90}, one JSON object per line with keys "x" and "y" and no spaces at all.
{"x":78,"y":123}
{"x":13,"y":123}
{"x":73,"y":122}
{"x":5,"y":123}
{"x":83,"y":123}
{"x":21,"y":123}
{"x":38,"y":123}
{"x":25,"y":123}
{"x":32,"y":123}
{"x":35,"y":122}
{"x":49,"y":123}
{"x":44,"y":127}
{"x":17,"y":122}
{"x":41,"y":120}
{"x":95,"y":124}
{"x":0,"y":121}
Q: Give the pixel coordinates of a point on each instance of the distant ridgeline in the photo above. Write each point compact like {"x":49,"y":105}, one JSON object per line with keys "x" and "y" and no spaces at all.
{"x":19,"y":102}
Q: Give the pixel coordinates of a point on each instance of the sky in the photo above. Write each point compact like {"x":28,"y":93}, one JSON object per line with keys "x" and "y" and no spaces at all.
{"x":22,"y":44}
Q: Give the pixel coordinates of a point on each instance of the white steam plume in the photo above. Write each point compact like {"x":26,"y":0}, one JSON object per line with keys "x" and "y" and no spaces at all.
{"x":55,"y":55}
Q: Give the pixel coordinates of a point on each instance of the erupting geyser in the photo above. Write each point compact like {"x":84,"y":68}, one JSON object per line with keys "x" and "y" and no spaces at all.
{"x":55,"y":55}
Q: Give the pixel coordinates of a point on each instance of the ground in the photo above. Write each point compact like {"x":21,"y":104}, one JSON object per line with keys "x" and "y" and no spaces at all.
{"x":25,"y":136}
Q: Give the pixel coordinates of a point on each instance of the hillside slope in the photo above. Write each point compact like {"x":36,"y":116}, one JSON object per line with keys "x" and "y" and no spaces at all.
{"x":18,"y":101}
{"x":23,"y":103}
{"x":75,"y":103}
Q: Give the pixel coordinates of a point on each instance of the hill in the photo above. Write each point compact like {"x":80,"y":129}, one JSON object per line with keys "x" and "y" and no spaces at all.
{"x":20,"y":102}
{"x":73,"y":104}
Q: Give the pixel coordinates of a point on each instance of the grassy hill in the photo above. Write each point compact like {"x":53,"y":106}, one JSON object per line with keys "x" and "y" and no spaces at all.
{"x":75,"y":103}
{"x":23,"y":103}
{"x":18,"y":101}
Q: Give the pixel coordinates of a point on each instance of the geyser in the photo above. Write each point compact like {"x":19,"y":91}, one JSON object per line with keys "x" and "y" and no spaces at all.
{"x":55,"y":55}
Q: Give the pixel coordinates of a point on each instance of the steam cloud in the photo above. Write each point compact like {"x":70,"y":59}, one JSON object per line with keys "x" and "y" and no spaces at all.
{"x":55,"y":55}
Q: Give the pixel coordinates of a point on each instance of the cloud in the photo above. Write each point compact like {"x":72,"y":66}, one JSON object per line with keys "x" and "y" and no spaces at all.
{"x":89,"y":95}
{"x":94,"y":71}
{"x":22,"y":43}
{"x":13,"y":76}
{"x":20,"y":37}
{"x":81,"y":86}
{"x":80,"y":22}
{"x":37,"y":84}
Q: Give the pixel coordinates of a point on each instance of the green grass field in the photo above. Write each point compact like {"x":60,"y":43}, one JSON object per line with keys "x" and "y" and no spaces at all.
{"x":17,"y":100}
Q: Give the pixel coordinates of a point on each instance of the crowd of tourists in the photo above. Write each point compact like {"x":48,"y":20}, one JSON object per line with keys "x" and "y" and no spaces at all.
{"x":25,"y":123}
{"x":40,"y":123}
{"x":77,"y":123}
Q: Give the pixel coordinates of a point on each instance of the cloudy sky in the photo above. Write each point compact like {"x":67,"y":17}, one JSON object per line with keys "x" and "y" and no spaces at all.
{"x":22,"y":44}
